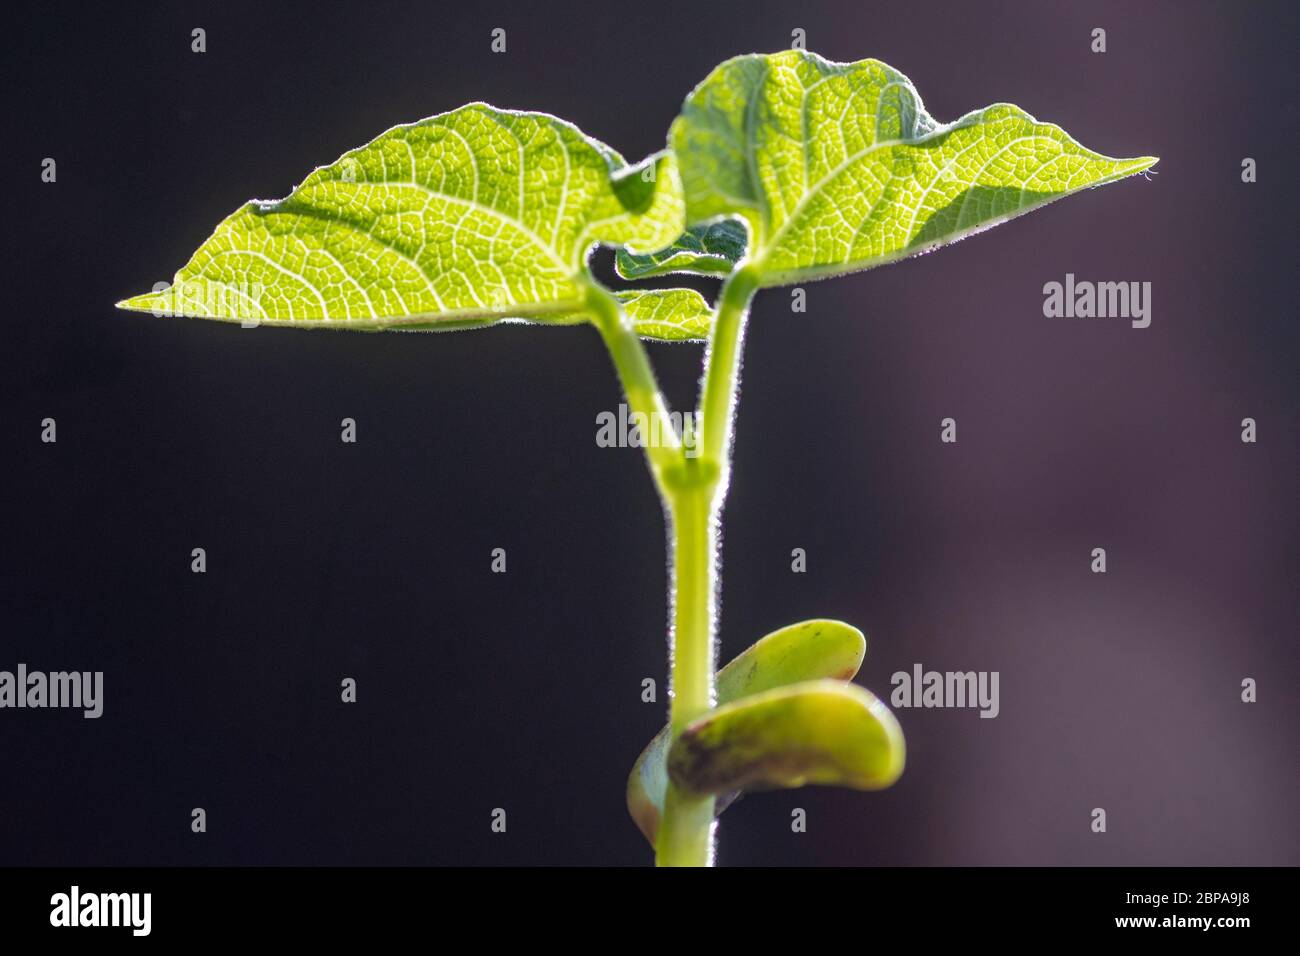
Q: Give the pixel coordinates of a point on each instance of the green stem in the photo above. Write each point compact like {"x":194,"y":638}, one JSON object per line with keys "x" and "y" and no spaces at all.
{"x":686,"y":827}
{"x":638,"y":379}
{"x":696,"y":504}
{"x":722,"y":371}
{"x":693,"y":488}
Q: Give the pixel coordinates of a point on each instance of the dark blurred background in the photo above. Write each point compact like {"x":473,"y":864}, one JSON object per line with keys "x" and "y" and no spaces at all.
{"x":522,"y":690}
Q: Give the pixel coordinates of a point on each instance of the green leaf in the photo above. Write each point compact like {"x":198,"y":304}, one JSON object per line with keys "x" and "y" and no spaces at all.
{"x":661,"y":315}
{"x":823,"y":732}
{"x":799,"y":652}
{"x":710,"y":249}
{"x":668,"y":315}
{"x":837,"y":167}
{"x":464,"y":218}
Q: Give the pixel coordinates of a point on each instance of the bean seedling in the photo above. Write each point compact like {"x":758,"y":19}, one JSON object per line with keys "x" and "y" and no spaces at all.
{"x":780,"y":169}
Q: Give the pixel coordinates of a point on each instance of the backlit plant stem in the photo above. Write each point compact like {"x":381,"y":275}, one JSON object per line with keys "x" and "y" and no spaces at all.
{"x":692,"y":479}
{"x":637,"y":377}
{"x":686,"y":827}
{"x":722,"y":371}
{"x":686,"y":830}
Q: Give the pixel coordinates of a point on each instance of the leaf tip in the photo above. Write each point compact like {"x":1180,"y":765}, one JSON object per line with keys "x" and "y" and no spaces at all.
{"x":1140,"y":164}
{"x":139,"y":303}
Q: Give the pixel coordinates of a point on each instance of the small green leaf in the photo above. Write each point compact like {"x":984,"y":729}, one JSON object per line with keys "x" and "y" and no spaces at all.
{"x":837,"y":167}
{"x":799,"y":652}
{"x":465,"y":218}
{"x":822,"y":732}
{"x":661,"y":315}
{"x":668,"y":315}
{"x":710,"y":249}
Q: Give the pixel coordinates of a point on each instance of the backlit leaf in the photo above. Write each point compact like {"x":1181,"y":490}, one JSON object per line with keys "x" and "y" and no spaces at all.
{"x":465,"y":218}
{"x":668,"y":315}
{"x":663,"y":315}
{"x":837,"y":167}
{"x":710,"y":249}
